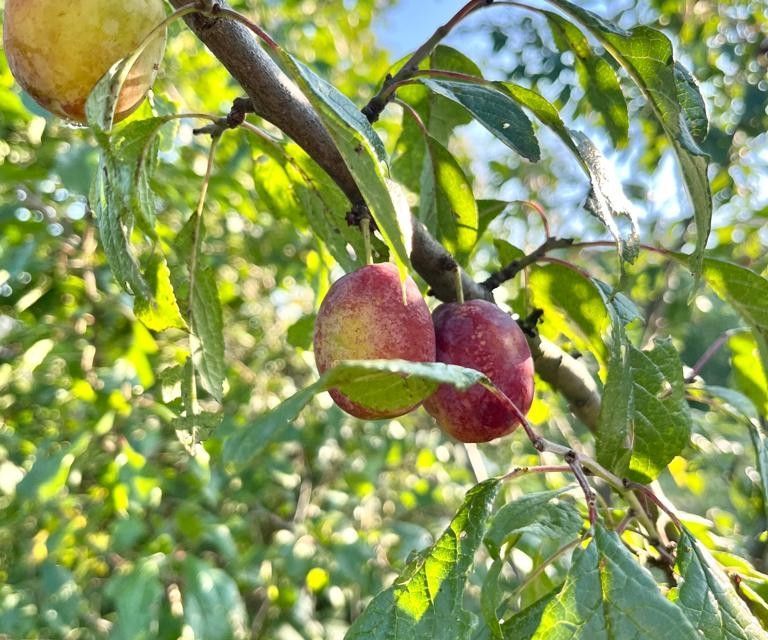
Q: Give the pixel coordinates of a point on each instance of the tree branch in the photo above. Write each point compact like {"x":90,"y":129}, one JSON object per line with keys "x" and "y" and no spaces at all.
{"x":274,"y":97}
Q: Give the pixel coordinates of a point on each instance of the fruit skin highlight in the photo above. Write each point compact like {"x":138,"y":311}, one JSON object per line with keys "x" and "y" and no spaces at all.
{"x":363,"y":317}
{"x":59,"y":49}
{"x":479,"y":335}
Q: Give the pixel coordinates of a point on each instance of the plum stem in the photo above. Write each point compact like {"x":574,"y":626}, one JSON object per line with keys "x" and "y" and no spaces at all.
{"x":459,"y":285}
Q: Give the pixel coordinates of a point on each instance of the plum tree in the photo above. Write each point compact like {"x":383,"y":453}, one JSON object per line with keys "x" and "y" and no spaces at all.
{"x":479,"y":335}
{"x":365,"y":316}
{"x":57,"y":51}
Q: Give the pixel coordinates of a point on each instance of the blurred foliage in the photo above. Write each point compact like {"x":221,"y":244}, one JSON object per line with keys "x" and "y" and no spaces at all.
{"x":110,"y":528}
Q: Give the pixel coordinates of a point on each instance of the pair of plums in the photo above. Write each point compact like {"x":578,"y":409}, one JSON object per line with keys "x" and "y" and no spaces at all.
{"x":370,"y":314}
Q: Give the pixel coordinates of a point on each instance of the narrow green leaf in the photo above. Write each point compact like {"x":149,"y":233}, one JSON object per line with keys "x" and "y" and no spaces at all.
{"x":490,"y":598}
{"x":607,"y":595}
{"x":137,"y":594}
{"x":540,"y":514}
{"x":692,"y":103}
{"x":380,"y":384}
{"x":448,"y":208}
{"x":364,"y":155}
{"x":646,"y":54}
{"x":748,"y":370}
{"x":425,"y":602}
{"x":658,"y":422}
{"x":487,"y":212}
{"x":114,"y":220}
{"x":208,"y":330}
{"x":523,"y":625}
{"x":494,"y":110}
{"x":161,"y":311}
{"x":708,"y":598}
{"x":213,"y":607}
{"x":607,"y":201}
{"x":597,"y":77}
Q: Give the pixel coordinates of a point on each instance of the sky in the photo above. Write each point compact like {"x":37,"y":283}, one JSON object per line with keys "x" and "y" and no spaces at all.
{"x":409,"y":23}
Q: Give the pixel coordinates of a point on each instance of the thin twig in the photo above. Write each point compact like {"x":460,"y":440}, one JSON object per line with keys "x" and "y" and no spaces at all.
{"x":710,"y":352}
{"x":544,"y":468}
{"x":376,"y":105}
{"x":516,"y":266}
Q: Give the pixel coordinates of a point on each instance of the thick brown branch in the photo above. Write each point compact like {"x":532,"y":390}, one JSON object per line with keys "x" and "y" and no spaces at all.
{"x":276,"y":98}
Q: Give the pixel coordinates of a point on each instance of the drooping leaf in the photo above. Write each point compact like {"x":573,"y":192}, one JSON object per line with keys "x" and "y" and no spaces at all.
{"x":646,"y":54}
{"x":540,"y":514}
{"x":597,"y":78}
{"x":657,"y":424}
{"x":380,"y":384}
{"x":494,"y":110}
{"x":213,"y":607}
{"x":487,"y":212}
{"x":748,"y":370}
{"x":607,"y":595}
{"x":425,"y":602}
{"x":708,"y":598}
{"x":208,"y":331}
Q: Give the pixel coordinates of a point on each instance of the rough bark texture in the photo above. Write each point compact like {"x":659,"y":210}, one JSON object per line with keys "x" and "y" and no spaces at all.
{"x":277,"y":99}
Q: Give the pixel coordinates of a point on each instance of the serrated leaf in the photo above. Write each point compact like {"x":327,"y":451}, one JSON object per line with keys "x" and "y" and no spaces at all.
{"x":161,"y":311}
{"x":646,"y":54}
{"x":363,"y":153}
{"x":494,"y":110}
{"x":597,"y":77}
{"x":607,"y":595}
{"x":447,"y":206}
{"x":540,"y":514}
{"x":375,"y":383}
{"x":708,"y":598}
{"x":137,"y":594}
{"x":657,"y":423}
{"x":425,"y":602}
{"x":208,"y":331}
{"x":213,"y":607}
{"x":692,"y":103}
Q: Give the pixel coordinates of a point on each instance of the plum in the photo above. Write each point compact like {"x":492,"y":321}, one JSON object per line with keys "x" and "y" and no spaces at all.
{"x":479,"y":335}
{"x":365,"y":316}
{"x":57,"y":51}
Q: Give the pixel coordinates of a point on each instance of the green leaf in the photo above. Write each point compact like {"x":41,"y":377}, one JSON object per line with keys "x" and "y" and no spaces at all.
{"x":523,"y":625}
{"x":657,"y":422}
{"x":646,"y":54}
{"x":607,"y":595}
{"x":487,"y":212}
{"x":573,"y":306}
{"x":50,"y":471}
{"x":300,"y":333}
{"x":381,"y":384}
{"x":425,"y":602}
{"x":539,"y":514}
{"x":490,"y":598}
{"x":692,"y":103}
{"x":494,"y":110}
{"x":364,"y":155}
{"x":161,"y":311}
{"x":748,"y":370}
{"x":708,"y":598}
{"x":213,"y":607}
{"x":137,"y":594}
{"x":448,"y":208}
{"x":607,"y":201}
{"x":597,"y":77}
{"x":208,"y":331}
{"x":114,"y":219}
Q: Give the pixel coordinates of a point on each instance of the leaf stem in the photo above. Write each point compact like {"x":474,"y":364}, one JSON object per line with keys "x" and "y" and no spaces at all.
{"x":516,"y":266}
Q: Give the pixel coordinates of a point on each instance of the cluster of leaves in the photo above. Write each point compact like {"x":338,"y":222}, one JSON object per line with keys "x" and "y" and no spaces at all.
{"x":291,"y":520}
